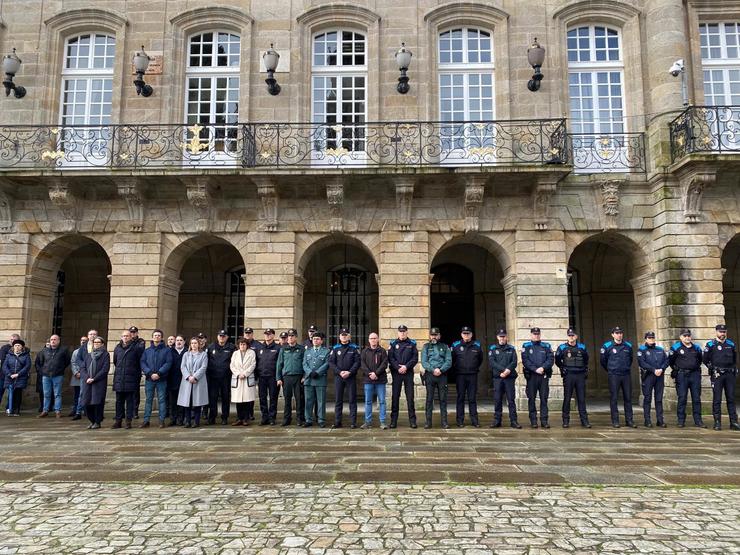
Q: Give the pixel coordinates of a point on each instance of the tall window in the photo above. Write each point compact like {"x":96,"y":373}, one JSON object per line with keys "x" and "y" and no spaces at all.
{"x":596,"y":80}
{"x":720,"y":55}
{"x":212,"y":100}
{"x":466,"y":88}
{"x":338,"y":90}
{"x":87,"y":96}
{"x":347,"y":302}
{"x":234,"y":320}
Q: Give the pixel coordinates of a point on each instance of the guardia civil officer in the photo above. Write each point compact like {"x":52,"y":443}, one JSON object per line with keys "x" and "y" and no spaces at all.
{"x":267,"y":354}
{"x":436,"y":360}
{"x":307,"y":344}
{"x":685,"y":358}
{"x":720,"y":357}
{"x":467,"y":356}
{"x":344,"y":361}
{"x":572,"y":359}
{"x":616,"y":359}
{"x":537,"y":361}
{"x":402,"y":358}
{"x":653,"y":361}
{"x":502,"y":360}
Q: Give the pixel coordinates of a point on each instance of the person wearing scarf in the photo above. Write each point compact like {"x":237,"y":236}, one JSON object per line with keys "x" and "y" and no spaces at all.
{"x":94,"y":374}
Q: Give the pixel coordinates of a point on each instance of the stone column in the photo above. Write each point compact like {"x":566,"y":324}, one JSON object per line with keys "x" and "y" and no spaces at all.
{"x":270,"y":280}
{"x":14,"y":286}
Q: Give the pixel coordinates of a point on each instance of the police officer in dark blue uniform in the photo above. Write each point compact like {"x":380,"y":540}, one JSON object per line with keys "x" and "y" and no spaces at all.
{"x":616,"y":359}
{"x":307,"y":344}
{"x":268,"y":389}
{"x":537,"y":361}
{"x":502,"y":360}
{"x":402,"y":358}
{"x":685,"y":358}
{"x":720,"y":357}
{"x":344,"y":361}
{"x":467,"y":357}
{"x":572,"y":359}
{"x":653,"y":361}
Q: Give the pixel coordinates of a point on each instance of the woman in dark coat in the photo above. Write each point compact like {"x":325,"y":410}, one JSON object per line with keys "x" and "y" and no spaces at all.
{"x":16,"y":370}
{"x":95,"y":375}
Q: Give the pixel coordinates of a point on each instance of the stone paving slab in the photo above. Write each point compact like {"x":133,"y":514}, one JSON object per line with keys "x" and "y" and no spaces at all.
{"x":355,"y":518}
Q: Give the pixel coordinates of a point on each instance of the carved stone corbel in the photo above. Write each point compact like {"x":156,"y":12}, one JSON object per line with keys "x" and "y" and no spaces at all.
{"x":267,"y":192}
{"x":63,"y":198}
{"x":6,"y":205}
{"x":475,"y":188}
{"x":200,"y":197}
{"x":610,"y":202}
{"x":693,"y":185}
{"x":131,"y":189}
{"x":335,"y":197}
{"x":542,"y":197}
{"x":404,"y":196}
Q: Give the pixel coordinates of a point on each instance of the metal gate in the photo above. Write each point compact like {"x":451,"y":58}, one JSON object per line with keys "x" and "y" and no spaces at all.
{"x":346,"y":303}
{"x":234,"y":313}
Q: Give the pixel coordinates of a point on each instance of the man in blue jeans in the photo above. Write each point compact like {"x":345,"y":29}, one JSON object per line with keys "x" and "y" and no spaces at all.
{"x":155,"y":364}
{"x":51,"y":364}
{"x":374,"y":365}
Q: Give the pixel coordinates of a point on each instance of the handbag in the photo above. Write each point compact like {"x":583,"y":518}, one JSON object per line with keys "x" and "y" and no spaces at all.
{"x":251,"y":381}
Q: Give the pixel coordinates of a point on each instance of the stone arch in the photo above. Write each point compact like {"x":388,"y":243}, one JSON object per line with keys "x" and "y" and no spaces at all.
{"x":307,"y":247}
{"x":731,"y":286}
{"x":496,"y":246}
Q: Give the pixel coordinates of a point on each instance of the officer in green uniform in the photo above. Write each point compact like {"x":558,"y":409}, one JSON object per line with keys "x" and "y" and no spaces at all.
{"x":289,"y":373}
{"x":315,"y":368}
{"x":436,"y":360}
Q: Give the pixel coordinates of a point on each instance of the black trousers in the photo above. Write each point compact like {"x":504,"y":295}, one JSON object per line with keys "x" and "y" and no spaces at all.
{"x":124,"y":405}
{"x":95,"y":413}
{"x":219,"y":386}
{"x":724,"y":383}
{"x":15,"y":408}
{"x":623,"y":382}
{"x":653,"y":386}
{"x":685,"y":382}
{"x":538,"y":384}
{"x":173,"y":410}
{"x":137,"y":398}
{"x":436,"y":384}
{"x":241,"y":412}
{"x":268,"y":387}
{"x":467,"y":386}
{"x":292,"y":387}
{"x":574,"y":382}
{"x":250,"y":410}
{"x":340,"y":386}
{"x":405,"y":381}
{"x":504,"y":387}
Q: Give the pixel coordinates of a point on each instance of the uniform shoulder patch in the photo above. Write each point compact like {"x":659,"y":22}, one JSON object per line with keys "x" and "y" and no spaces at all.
{"x":412,"y":341}
{"x":353,"y":346}
{"x":709,"y":344}
{"x":607,"y":344}
{"x":492,"y":347}
{"x":730,"y":342}
{"x":642,"y":348}
{"x":527,"y":344}
{"x":628,"y":344}
{"x":562,"y":346}
{"x":546,"y":345}
{"x":676,"y":345}
{"x":581,"y":346}
{"x":393,"y":342}
{"x":336,"y":346}
{"x":476,"y":343}
{"x":697,"y":348}
{"x":456,"y":343}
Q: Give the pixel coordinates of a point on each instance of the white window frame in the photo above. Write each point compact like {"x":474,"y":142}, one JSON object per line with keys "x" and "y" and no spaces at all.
{"x":319,"y":152}
{"x":223,"y":156}
{"x":479,"y":140}
{"x":724,"y":63}
{"x":88,"y":146}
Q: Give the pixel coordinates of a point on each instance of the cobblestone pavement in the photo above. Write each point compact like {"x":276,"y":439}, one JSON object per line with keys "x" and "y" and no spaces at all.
{"x":374,"y":518}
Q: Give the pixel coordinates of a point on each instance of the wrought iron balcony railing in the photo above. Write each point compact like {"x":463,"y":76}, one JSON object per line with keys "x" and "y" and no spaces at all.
{"x":285,"y":145}
{"x":706,"y":129}
{"x":607,"y":152}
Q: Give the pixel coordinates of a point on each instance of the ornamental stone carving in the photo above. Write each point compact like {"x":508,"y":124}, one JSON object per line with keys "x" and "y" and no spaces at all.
{"x":63,"y":198}
{"x":404,"y":197}
{"x":267,"y":192}
{"x":335,"y":198}
{"x":693,"y":185}
{"x":198,"y":190}
{"x":131,"y":190}
{"x":542,"y":198}
{"x":475,"y":189}
{"x":610,"y":202}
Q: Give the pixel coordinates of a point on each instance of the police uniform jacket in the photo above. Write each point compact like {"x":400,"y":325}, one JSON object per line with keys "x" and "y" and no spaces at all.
{"x":267,"y":356}
{"x":315,"y":360}
{"x":345,"y":358}
{"x":502,"y":358}
{"x":467,"y":357}
{"x":616,"y":358}
{"x":403,"y":353}
{"x":537,"y":354}
{"x":436,"y":355}
{"x":572,"y":358}
{"x":682,"y":357}
{"x":219,"y":360}
{"x":651,"y":358}
{"x":290,"y":361}
{"x":374,"y":360}
{"x":720,"y":355}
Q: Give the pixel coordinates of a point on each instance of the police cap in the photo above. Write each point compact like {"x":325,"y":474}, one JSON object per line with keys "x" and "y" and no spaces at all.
{"x":617,"y":329}
{"x":650,"y":334}
{"x":434,"y":331}
{"x":344,"y":331}
{"x":686,"y":332}
{"x":269,"y":331}
{"x":319,"y":334}
{"x":534,"y":330}
{"x":720,"y":327}
{"x":501,"y":333}
{"x":313,"y":327}
{"x":133,"y":329}
{"x":283,"y":334}
{"x":223,"y":333}
{"x":403,"y":327}
{"x":292,"y":331}
{"x":570,"y":332}
{"x":202,"y":335}
{"x":466,"y":329}
{"x":248,"y":330}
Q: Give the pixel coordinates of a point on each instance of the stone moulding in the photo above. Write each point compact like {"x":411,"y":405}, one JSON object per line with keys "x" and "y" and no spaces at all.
{"x":404,"y":197}
{"x":475,"y":189}
{"x":268,"y":195}
{"x":130,"y":189}
{"x":198,"y":190}
{"x":693,"y":184}
{"x":63,"y":198}
{"x":335,"y":198}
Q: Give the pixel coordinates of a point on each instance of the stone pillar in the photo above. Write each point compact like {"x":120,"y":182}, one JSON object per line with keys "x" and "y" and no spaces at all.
{"x":270,"y":280}
{"x":14,"y":284}
{"x":169,"y":299}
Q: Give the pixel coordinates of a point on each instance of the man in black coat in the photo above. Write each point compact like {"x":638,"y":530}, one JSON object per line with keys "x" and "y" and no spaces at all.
{"x":267,"y":354}
{"x":467,"y":357}
{"x":174,"y":378}
{"x":52,"y":361}
{"x":126,"y":377}
{"x":219,"y":377}
{"x":403,"y":355}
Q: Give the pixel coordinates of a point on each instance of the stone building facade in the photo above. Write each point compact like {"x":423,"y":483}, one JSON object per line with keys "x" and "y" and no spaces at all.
{"x":595,"y":201}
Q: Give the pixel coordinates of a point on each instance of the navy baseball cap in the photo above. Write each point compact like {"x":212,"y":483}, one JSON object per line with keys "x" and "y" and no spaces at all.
{"x":133,"y":329}
{"x":269,"y":331}
{"x":223,"y":333}
{"x":534,"y":330}
{"x":686,"y":331}
{"x":501,"y":333}
{"x":650,"y":334}
{"x":248,"y":330}
{"x":344,"y":331}
{"x":292,"y":331}
{"x":720,"y":327}
{"x":403,"y":327}
{"x":571,"y":331}
{"x":313,"y":327}
{"x":617,"y":329}
{"x":434,"y":331}
{"x":283,"y":334}
{"x":466,"y":329}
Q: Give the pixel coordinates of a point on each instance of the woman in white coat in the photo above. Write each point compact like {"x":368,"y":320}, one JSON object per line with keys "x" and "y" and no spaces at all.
{"x":193,"y":394}
{"x":243,"y":381}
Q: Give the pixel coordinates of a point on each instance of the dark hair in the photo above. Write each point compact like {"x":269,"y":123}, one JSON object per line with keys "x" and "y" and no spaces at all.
{"x":155,"y":330}
{"x":241,"y":340}
{"x":180,"y":336}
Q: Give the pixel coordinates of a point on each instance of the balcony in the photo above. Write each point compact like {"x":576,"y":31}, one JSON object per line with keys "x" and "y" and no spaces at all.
{"x":706,"y":130}
{"x":607,"y":152}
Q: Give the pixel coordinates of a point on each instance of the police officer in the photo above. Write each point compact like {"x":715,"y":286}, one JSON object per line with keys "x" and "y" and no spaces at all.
{"x":267,"y":354}
{"x":502,"y":360}
{"x":436,"y":360}
{"x":685,"y":359}
{"x":537,"y":361}
{"x":252,"y":343}
{"x":402,"y":358}
{"x":720,"y":357}
{"x":467,"y":356}
{"x":283,"y":339}
{"x":289,"y":376}
{"x":653,"y":361}
{"x":307,"y":344}
{"x":572,"y":359}
{"x":616,"y":359}
{"x":218,"y":374}
{"x":344,"y":361}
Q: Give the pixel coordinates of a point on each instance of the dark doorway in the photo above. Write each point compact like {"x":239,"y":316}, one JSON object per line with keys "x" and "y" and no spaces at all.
{"x":731,"y":291}
{"x":452,"y":300}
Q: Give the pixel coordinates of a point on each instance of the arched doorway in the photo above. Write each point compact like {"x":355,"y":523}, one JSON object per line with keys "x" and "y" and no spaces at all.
{"x":600,"y":296}
{"x":731,"y":290}
{"x":466,"y":289}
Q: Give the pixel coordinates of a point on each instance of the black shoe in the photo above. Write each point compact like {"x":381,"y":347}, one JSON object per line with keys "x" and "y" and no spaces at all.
{"x":460,"y":425}
{"x":337,"y":425}
{"x":95,"y":426}
{"x":662,"y":425}
{"x":224,"y":421}
{"x":272,"y":422}
{"x":734,"y":426}
{"x":322,"y":425}
{"x":427,"y":426}
{"x":516,"y":425}
{"x":476,"y":425}
{"x":496,"y":424}
{"x":717,"y":425}
{"x":445,"y":426}
{"x":264,"y":422}
{"x":533,"y":425}
{"x":566,"y":424}
{"x":76,"y":417}
{"x":301,"y":424}
{"x":681,"y":425}
{"x":413,"y":425}
{"x":71,"y":414}
{"x":307,"y":424}
{"x":353,"y":426}
{"x":285,"y":423}
{"x":136,"y":416}
{"x":631,"y":424}
{"x":393,"y":426}
{"x":700,"y":424}
{"x":586,"y":424}
{"x":211,"y":422}
{"x":648,"y":424}
{"x":615,"y":424}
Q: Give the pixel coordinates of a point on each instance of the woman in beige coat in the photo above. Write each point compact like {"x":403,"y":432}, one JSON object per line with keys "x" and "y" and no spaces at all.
{"x":243,"y":381}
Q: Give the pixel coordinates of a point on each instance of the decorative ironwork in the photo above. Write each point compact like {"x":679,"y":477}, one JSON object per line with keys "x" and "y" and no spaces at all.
{"x":709,"y":129}
{"x":283,"y":145}
{"x":347,"y":302}
{"x":608,"y":152}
